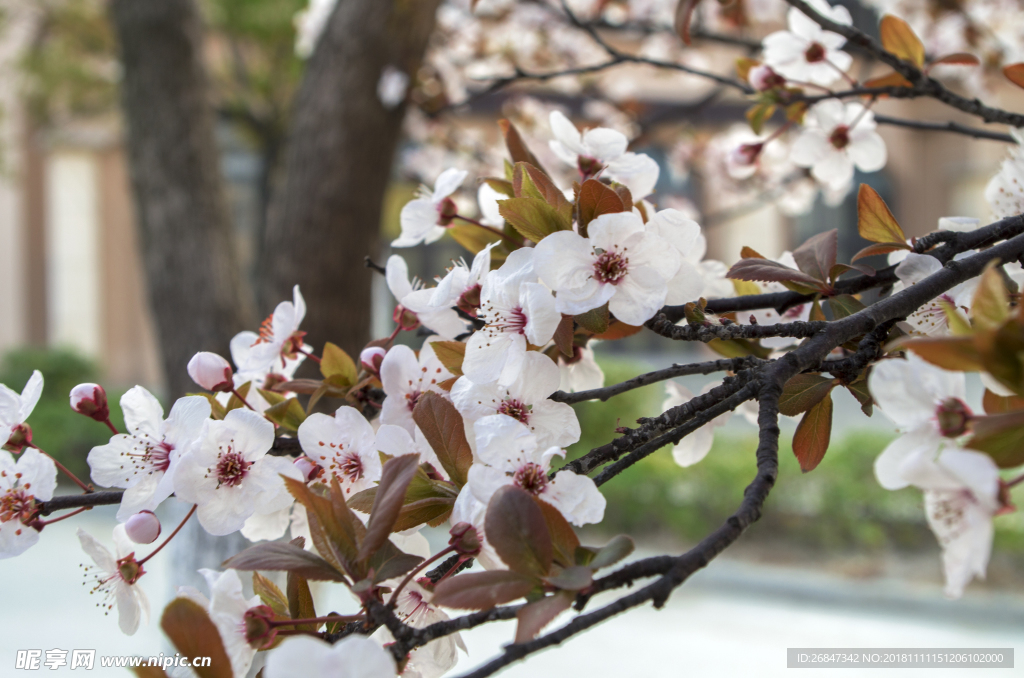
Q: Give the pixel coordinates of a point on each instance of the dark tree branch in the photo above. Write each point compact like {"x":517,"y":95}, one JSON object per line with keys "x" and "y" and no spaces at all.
{"x":709,"y":367}
{"x":954,"y":127}
{"x":799,"y":330}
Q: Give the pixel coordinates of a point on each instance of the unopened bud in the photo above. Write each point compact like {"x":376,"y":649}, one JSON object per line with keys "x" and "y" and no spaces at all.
{"x":371,"y":358}
{"x":211,"y":371}
{"x":130,"y":569}
{"x":405,"y":319}
{"x":464,"y":539}
{"x":446,"y":212}
{"x":306,"y":466}
{"x":259,"y":629}
{"x":90,"y":400}
{"x":589,"y":167}
{"x":143,"y":527}
{"x":21,"y":436}
{"x":763,"y":78}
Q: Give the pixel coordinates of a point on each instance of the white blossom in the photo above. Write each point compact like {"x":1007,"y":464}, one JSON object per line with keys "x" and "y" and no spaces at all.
{"x":1005,"y":191}
{"x":15,"y":408}
{"x":31,"y":479}
{"x":412,"y":296}
{"x":343,"y":446}
{"x":117,"y":580}
{"x":226,"y":607}
{"x":580,"y":372}
{"x":406,"y":377}
{"x":807,"y":53}
{"x":696,"y":445}
{"x":620,"y":263}
{"x":423,"y":219}
{"x":351,"y":657}
{"x":143,"y":460}
{"x":835,"y":138}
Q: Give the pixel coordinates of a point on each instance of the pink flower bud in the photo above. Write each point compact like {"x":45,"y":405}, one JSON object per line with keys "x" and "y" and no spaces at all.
{"x":405,"y":318}
{"x":371,"y":358}
{"x":763,"y":78}
{"x":90,"y":400}
{"x":258,"y":623}
{"x":143,"y":527}
{"x":210,"y":371}
{"x":307,"y":467}
{"x":464,"y":539}
{"x":20,"y":436}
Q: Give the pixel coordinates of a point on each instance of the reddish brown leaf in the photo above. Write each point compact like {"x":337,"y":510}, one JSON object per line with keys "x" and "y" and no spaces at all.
{"x":595,"y":320}
{"x":618,"y":330}
{"x":482,"y":590}
{"x":515,"y":527}
{"x":532,"y":217}
{"x":810,"y":442}
{"x":624,"y":195}
{"x":893,"y":79}
{"x":443,"y":428}
{"x":958,"y":59}
{"x":750,"y":253}
{"x":528,"y":181}
{"x":516,"y":146}
{"x":803,"y":392}
{"x":879,"y":248}
{"x":840,"y":269}
{"x":278,"y":556}
{"x":899,"y":38}
{"x":874,"y":220}
{"x":563,"y":335}
{"x":533,"y":617}
{"x":844,"y":305}
{"x":1015,"y":74}
{"x":817,"y":255}
{"x":612,"y":552}
{"x":596,"y":199}
{"x":997,"y":404}
{"x":766,"y":270}
{"x":300,"y":601}
{"x":1000,"y":436}
{"x":950,"y":353}
{"x":990,"y":306}
{"x":194,"y":635}
{"x":387,"y":503}
{"x":683,"y":17}
{"x":563,"y":537}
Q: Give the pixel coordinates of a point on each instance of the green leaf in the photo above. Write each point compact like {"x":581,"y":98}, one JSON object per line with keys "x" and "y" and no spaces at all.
{"x":595,"y":320}
{"x":300,"y":601}
{"x":817,"y":255}
{"x":950,"y":353}
{"x":336,"y":363}
{"x":235,"y":402}
{"x":875,"y":221}
{"x":990,"y":307}
{"x":574,"y":578}
{"x":532,"y":217}
{"x":394,"y":481}
{"x":472,"y":237}
{"x":217,"y":410}
{"x":1000,"y":436}
{"x":595,"y":199}
{"x":289,"y":414}
{"x":270,"y":594}
{"x":859,"y":390}
{"x":278,"y":556}
{"x":810,"y":442}
{"x":758,"y":114}
{"x":272,"y":397}
{"x":194,"y":635}
{"x":451,"y":354}
{"x":501,"y":186}
{"x":443,"y":427}
{"x":533,"y":617}
{"x":802,"y":392}
{"x":483,"y":590}
{"x":515,"y":527}
{"x":612,"y":552}
{"x":528,"y":181}
{"x":844,"y":305}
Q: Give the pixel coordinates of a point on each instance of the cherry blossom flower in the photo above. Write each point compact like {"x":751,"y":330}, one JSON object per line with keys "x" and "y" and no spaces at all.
{"x":525,"y":399}
{"x":696,"y":445}
{"x":807,"y":53}
{"x":406,"y":377}
{"x":229,"y":474}
{"x":351,"y":657}
{"x":280,"y":339}
{"x":211,"y":371}
{"x":461,"y":286}
{"x":395,"y":441}
{"x":226,"y":607}
{"x":437,"y":657}
{"x":143,"y":460}
{"x":930,"y":318}
{"x":445,"y":321}
{"x":90,"y":400}
{"x":1005,"y":191}
{"x":343,"y":446}
{"x":117,"y":579}
{"x":580,"y":372}
{"x":143,"y":527}
{"x":15,"y":410}
{"x":517,"y":310}
{"x":604,"y":149}
{"x":469,"y":509}
{"x":835,"y":138}
{"x":509,"y":454}
{"x":423,"y":219}
{"x":23,"y":484}
{"x":621,"y":264}
{"x":685,"y":237}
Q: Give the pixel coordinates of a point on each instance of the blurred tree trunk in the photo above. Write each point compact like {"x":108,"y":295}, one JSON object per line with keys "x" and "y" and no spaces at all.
{"x":188,"y":251}
{"x":324,"y":218}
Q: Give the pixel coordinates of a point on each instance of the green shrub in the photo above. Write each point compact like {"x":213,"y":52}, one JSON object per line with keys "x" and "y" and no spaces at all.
{"x":56,"y":428}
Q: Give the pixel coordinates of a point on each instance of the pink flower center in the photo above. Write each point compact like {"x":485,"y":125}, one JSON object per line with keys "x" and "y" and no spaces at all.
{"x":351,"y":466}
{"x":815,"y":53}
{"x":953,"y":416}
{"x":231,"y":468}
{"x":840,"y":137}
{"x":411,"y":398}
{"x":515,"y":409}
{"x":531,"y":478}
{"x":469,"y":301}
{"x":611,"y":267}
{"x":159,"y":456}
{"x":514,"y":322}
{"x":16,"y":504}
{"x":589,"y":166}
{"x":446,"y":211}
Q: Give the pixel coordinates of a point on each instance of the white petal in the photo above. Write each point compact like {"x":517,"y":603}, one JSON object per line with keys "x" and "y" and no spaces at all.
{"x":604,"y":144}
{"x":867,"y":151}
{"x":418,"y":220}
{"x":142,"y":412}
{"x":538,"y":306}
{"x":447,"y":183}
{"x":576,"y":497}
{"x":566,"y":134}
{"x":30,"y":394}
{"x":636,"y":171}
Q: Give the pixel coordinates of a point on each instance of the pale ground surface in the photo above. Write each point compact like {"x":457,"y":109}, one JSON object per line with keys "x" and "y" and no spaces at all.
{"x":736,"y":619}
